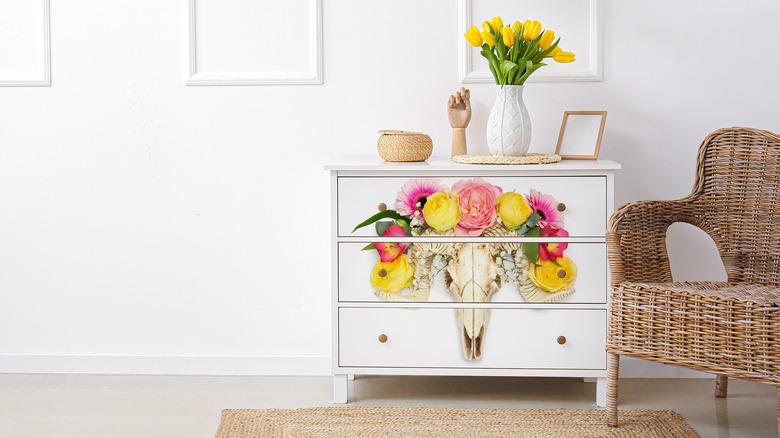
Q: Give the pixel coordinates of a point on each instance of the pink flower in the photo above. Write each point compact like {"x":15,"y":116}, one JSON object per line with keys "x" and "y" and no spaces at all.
{"x":477,"y":206}
{"x":388,"y":252}
{"x":547,"y":207}
{"x":411,"y":199}
{"x":552,"y":250}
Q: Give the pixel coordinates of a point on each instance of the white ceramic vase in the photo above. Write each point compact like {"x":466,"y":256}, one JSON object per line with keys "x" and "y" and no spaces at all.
{"x":509,"y":126}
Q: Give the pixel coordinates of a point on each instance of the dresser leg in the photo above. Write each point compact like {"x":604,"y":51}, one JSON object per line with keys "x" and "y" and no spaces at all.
{"x":601,"y":392}
{"x":340,"y":387}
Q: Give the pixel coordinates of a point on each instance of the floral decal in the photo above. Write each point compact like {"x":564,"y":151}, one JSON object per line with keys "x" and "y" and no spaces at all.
{"x":474,"y":271}
{"x":473,"y":207}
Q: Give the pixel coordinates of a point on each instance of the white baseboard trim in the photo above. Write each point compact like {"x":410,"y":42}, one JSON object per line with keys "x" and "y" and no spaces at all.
{"x":294,"y":365}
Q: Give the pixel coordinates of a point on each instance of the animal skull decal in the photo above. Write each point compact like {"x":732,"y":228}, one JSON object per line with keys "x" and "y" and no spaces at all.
{"x":473,"y":272}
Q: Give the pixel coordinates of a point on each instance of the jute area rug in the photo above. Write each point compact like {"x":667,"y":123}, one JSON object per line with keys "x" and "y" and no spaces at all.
{"x":332,"y":422}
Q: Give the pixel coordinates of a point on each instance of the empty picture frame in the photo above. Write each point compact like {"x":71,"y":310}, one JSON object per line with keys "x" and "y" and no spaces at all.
{"x":580,"y":136}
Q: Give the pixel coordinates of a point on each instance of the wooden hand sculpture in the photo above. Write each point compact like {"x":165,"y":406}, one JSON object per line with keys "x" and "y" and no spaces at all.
{"x":459,"y":114}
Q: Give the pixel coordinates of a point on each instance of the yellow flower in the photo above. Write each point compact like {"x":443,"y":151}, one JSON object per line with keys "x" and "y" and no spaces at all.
{"x":563,"y":57}
{"x":555,"y":51}
{"x":489,"y":39}
{"x":547,"y":39}
{"x":487,"y":27}
{"x":496,"y":23}
{"x":531,"y":30}
{"x":441,"y":211}
{"x":550,"y":277}
{"x":516,"y":26}
{"x":513,"y":210}
{"x":473,"y":37}
{"x":393,"y":276}
{"x":508,"y":36}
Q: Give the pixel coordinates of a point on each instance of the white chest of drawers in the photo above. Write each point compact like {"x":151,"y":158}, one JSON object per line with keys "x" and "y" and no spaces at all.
{"x":372,"y":336}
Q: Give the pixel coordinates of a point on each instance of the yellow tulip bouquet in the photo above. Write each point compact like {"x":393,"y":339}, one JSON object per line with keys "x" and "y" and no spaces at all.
{"x":515,"y":52}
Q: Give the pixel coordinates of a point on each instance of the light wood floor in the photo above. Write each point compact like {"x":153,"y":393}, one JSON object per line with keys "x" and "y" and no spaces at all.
{"x":189,"y":406}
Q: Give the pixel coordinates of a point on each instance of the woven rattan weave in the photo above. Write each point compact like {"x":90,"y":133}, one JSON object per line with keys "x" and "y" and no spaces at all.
{"x":730,"y":329}
{"x":530,"y":158}
{"x":404,"y":146}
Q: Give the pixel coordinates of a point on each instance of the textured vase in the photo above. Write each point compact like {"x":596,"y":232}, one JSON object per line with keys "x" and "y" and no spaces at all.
{"x":509,"y":126}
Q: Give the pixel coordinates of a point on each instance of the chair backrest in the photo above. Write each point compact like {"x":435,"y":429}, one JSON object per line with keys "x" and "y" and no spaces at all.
{"x":737,"y":201}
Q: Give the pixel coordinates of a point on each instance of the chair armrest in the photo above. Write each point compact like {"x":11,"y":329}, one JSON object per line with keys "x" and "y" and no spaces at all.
{"x":636,"y":239}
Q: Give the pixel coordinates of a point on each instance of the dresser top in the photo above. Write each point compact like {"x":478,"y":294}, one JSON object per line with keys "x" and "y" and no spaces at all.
{"x":369,"y":163}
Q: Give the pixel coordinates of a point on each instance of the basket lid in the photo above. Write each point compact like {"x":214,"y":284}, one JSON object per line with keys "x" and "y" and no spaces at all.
{"x":397,"y":132}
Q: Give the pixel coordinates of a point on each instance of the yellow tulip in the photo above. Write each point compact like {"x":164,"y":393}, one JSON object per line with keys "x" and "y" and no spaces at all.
{"x":508,"y":36}
{"x":548,"y":37}
{"x":516,"y":26}
{"x":497,"y":24}
{"x":487,"y":27}
{"x":554,"y":52}
{"x":473,"y":37}
{"x":552,"y":277}
{"x":531,"y":30}
{"x":392,"y":277}
{"x":563,"y":57}
{"x":489,"y":39}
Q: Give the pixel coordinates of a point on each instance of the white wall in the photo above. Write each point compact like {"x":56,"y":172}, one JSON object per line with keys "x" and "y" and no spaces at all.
{"x":145,"y":224}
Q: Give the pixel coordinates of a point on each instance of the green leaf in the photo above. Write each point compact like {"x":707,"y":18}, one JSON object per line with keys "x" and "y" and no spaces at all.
{"x":530,"y":68}
{"x":506,"y":68}
{"x":531,"y":251}
{"x":533,"y":219}
{"x":368,"y":247}
{"x":382,"y":226}
{"x":532,"y":248}
{"x":492,"y":61}
{"x":531,"y":49}
{"x":541,"y":55}
{"x":387,"y":214}
{"x":556,"y":263}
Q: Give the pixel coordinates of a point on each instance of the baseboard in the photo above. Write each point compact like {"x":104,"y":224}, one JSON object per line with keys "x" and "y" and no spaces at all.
{"x":293,"y":365}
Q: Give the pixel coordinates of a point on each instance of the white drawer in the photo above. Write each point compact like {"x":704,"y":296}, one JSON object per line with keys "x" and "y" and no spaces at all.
{"x":514,"y":338}
{"x":584,"y":196}
{"x":354,"y":271}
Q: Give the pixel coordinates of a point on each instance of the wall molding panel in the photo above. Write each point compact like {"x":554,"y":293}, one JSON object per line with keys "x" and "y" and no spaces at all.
{"x":312,"y":75}
{"x":593,"y":71}
{"x":42,"y":78}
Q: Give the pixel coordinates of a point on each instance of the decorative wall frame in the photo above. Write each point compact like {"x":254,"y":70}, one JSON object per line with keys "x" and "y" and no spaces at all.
{"x":311,"y":76}
{"x":580,"y":135}
{"x":591,"y":73}
{"x":43,"y":79}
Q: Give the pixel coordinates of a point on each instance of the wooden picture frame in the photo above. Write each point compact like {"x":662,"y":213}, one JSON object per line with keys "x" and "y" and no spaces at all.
{"x":580,"y":135}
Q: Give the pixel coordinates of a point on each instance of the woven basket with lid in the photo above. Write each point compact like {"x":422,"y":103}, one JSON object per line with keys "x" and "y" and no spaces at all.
{"x":404,"y":146}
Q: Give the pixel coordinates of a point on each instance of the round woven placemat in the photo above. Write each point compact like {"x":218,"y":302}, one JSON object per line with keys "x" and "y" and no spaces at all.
{"x":362,"y":422}
{"x":530,"y":158}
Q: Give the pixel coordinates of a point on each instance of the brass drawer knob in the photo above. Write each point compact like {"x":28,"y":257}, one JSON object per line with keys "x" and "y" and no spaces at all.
{"x":561,"y":273}
{"x":561,"y":206}
{"x":382,"y":272}
{"x":561,"y":340}
{"x":383,"y":338}
{"x":382,"y":207}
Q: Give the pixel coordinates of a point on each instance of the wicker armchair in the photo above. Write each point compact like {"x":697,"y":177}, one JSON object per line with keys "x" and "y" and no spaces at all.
{"x":729,"y":329}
